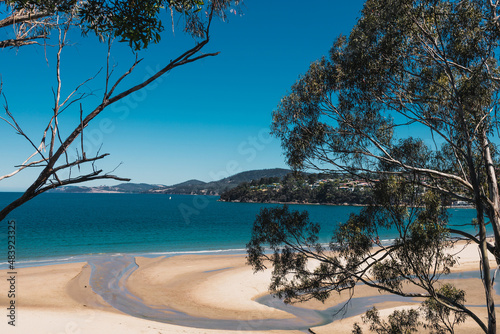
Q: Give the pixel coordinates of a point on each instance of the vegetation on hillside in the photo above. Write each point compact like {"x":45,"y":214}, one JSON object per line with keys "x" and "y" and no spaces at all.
{"x":318,"y":188}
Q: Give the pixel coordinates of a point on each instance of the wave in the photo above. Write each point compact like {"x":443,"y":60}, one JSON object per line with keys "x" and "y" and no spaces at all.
{"x":210,"y":251}
{"x":44,"y":261}
{"x":87,"y":257}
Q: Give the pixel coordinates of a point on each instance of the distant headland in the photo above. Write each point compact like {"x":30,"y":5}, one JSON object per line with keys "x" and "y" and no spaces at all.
{"x":190,"y":187}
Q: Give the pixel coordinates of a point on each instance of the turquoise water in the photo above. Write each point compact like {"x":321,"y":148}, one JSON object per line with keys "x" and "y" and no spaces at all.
{"x":55,"y":227}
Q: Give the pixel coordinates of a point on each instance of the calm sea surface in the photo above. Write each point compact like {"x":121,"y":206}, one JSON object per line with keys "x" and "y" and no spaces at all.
{"x":58,"y":227}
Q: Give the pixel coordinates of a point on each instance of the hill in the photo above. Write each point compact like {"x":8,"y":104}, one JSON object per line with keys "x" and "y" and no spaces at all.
{"x":303,"y":188}
{"x":120,"y":188}
{"x":192,"y":187}
{"x":251,"y":175}
{"x":195,"y":187}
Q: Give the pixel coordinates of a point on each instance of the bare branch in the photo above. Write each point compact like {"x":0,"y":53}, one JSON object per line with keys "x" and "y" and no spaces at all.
{"x":21,"y":41}
{"x":23,"y":166}
{"x":85,"y":178}
{"x":79,"y":162}
{"x":19,"y":18}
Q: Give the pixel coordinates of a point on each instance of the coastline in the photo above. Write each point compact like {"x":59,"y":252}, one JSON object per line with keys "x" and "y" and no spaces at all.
{"x":291,"y":203}
{"x":330,"y":204}
{"x":58,"y":298}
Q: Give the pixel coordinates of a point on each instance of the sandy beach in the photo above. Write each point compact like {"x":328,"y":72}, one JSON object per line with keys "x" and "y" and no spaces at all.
{"x":221,"y":288}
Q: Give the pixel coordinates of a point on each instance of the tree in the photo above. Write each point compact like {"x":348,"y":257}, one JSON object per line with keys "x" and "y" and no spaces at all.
{"x":426,"y":66}
{"x":34,"y":20}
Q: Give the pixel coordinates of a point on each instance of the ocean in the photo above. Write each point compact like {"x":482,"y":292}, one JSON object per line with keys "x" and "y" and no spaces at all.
{"x":58,"y":227}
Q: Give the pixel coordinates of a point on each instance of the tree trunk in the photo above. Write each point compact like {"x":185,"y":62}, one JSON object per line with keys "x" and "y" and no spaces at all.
{"x":494,"y":212}
{"x":486,"y":272}
{"x":480,"y":210}
{"x":485,"y":264}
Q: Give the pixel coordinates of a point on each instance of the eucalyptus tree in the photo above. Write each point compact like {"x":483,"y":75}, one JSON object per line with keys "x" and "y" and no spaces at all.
{"x":409,"y":102}
{"x":136,"y":22}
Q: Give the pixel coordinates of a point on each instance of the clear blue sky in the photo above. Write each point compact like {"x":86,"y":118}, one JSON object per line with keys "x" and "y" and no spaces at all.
{"x":205,"y":120}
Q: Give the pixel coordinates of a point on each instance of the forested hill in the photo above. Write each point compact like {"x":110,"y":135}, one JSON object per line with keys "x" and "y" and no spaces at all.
{"x":195,"y":187}
{"x":305,"y":188}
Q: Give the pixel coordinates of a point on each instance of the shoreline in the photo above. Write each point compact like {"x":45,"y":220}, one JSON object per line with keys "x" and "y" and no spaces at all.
{"x":56,"y":298}
{"x":76,"y":258}
{"x":332,"y":204}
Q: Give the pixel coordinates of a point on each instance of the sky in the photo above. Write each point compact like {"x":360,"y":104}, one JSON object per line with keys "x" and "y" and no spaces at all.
{"x":205,"y":120}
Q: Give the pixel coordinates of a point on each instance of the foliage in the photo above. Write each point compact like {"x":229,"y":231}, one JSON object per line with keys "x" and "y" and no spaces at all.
{"x":282,"y":231}
{"x":442,"y":319}
{"x":404,"y":322}
{"x":399,"y":322}
{"x":422,"y":66}
{"x":135,"y":22}
{"x":438,"y":318}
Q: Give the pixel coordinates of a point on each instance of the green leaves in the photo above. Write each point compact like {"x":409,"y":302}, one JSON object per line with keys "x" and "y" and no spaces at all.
{"x":136,"y":22}
{"x":440,"y":317}
{"x":437,"y":312}
{"x":399,"y":322}
{"x":287,"y":240}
